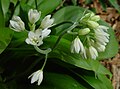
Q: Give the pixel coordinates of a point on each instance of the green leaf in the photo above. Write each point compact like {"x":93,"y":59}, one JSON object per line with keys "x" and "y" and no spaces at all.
{"x":58,"y":81}
{"x":5,"y":6}
{"x":1,"y":16}
{"x":5,"y":38}
{"x":114,"y":3}
{"x":47,"y":6}
{"x":98,"y":82}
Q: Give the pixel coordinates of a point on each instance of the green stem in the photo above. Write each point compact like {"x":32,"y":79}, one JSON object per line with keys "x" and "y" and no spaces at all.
{"x":42,"y":51}
{"x":46,"y":55}
{"x":68,"y":29}
{"x":56,"y":25}
{"x":72,"y":33}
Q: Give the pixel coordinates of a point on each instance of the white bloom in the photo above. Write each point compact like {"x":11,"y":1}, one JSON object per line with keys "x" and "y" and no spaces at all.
{"x":93,"y":52}
{"x":33,"y":16}
{"x":77,"y":46}
{"x":45,"y":32}
{"x":17,"y":24}
{"x":101,"y":35}
{"x":37,"y":77}
{"x":47,"y":22}
{"x":35,"y":38}
{"x":104,"y":28}
{"x":100,"y":47}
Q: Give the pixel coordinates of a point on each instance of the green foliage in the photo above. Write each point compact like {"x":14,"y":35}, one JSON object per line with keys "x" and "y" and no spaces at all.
{"x":115,"y":4}
{"x":64,"y":70}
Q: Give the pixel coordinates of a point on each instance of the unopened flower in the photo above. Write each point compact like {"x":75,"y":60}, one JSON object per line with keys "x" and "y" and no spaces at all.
{"x":95,"y":18}
{"x":47,"y":22}
{"x":17,"y":24}
{"x":34,"y":38}
{"x":37,"y":77}
{"x":33,"y":16}
{"x":92,"y":24}
{"x":84,"y":31}
{"x":77,"y":46}
{"x":93,"y":52}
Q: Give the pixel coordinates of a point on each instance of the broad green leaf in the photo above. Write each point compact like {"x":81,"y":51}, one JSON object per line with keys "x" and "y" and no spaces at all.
{"x":105,"y":81}
{"x":77,"y":12}
{"x":5,"y":38}
{"x":58,"y":81}
{"x":98,"y":82}
{"x":5,"y":6}
{"x":115,"y":4}
{"x":47,"y":6}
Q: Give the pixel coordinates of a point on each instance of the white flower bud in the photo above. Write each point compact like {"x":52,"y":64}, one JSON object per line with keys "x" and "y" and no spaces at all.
{"x":33,"y":16}
{"x":84,"y":31}
{"x":37,"y":77}
{"x":95,"y":18}
{"x":92,"y":24}
{"x":17,"y":24}
{"x":47,"y":22}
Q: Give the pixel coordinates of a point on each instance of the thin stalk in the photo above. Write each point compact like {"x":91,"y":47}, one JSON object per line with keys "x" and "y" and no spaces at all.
{"x":46,"y":55}
{"x":42,"y":51}
{"x":65,"y":31}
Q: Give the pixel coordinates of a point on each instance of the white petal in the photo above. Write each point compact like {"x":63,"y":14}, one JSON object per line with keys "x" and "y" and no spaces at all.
{"x":93,"y":52}
{"x":40,"y":78}
{"x":35,"y":77}
{"x":47,"y":22}
{"x":45,"y":32}
{"x":15,"y":26}
{"x":76,"y":45}
{"x":38,"y":32}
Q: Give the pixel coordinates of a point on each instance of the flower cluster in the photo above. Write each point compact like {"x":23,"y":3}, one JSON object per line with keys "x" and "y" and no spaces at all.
{"x":35,"y":36}
{"x":92,"y":37}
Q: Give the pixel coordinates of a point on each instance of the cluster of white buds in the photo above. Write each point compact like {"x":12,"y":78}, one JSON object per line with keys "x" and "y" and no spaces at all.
{"x":35,"y":35}
{"x":92,"y":38}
